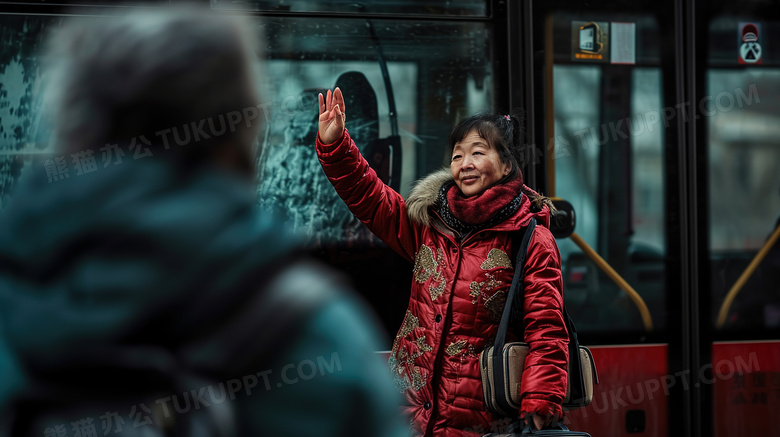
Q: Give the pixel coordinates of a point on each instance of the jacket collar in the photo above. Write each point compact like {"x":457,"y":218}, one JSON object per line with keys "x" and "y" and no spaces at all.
{"x":426,"y":191}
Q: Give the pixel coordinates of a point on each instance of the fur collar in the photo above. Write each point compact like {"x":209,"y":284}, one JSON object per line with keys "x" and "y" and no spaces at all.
{"x":426,"y":191}
{"x":424,"y":195}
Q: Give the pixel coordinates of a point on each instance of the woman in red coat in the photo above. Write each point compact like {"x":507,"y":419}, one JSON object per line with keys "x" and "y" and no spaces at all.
{"x":457,"y":227}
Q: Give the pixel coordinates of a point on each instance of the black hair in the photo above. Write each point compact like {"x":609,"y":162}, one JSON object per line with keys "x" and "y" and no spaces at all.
{"x":502,"y":131}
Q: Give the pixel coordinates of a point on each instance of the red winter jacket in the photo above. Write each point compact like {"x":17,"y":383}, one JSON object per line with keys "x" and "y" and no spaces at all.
{"x":457,"y":298}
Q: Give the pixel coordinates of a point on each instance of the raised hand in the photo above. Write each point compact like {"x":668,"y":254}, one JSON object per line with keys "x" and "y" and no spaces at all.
{"x":332,"y":116}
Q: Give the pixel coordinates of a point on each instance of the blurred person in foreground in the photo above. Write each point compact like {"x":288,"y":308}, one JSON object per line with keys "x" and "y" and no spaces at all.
{"x":142,"y":292}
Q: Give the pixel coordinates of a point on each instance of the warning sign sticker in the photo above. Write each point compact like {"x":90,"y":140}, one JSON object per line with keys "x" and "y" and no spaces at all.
{"x":749,"y":43}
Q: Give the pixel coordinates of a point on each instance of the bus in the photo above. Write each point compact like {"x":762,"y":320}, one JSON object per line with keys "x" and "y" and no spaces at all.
{"x":657,"y":123}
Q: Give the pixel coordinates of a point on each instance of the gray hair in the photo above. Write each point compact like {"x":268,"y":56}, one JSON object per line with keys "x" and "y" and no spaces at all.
{"x":112,"y":79}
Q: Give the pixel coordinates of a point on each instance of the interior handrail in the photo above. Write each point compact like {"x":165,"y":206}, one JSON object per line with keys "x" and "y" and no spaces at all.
{"x":615,"y":276}
{"x":743,"y":278}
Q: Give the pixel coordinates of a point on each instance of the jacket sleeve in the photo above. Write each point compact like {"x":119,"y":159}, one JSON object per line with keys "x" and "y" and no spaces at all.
{"x":378,"y":206}
{"x":545,"y":374}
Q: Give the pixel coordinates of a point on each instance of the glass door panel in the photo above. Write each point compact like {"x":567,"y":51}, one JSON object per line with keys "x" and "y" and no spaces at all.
{"x":606,"y":145}
{"x":742,"y":127}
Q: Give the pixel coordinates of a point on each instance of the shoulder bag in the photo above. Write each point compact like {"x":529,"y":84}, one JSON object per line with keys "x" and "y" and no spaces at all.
{"x":502,"y":363}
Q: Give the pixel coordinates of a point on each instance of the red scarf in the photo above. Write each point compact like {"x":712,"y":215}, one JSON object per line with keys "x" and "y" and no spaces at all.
{"x":478,"y":209}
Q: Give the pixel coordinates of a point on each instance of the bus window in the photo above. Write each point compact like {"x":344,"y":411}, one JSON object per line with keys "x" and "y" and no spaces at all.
{"x":23,"y":132}
{"x":401,"y":105}
{"x":447,"y":76}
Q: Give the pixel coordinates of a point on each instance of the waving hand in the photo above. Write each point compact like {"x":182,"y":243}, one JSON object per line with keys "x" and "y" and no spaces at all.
{"x":332,"y":116}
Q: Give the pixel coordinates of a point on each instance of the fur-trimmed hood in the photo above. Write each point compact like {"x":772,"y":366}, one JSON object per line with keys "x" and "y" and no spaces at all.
{"x":426,"y":191}
{"x":424,"y":195}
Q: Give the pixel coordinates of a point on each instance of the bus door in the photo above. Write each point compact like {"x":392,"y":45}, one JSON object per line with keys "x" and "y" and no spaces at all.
{"x":603,"y":81}
{"x":738,"y":130}
{"x":659,"y":123}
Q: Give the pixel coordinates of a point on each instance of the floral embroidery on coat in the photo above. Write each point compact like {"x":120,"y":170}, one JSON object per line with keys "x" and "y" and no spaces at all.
{"x":496,"y":258}
{"x":401,"y":361}
{"x":456,"y":347}
{"x":492,"y":299}
{"x":427,"y":267}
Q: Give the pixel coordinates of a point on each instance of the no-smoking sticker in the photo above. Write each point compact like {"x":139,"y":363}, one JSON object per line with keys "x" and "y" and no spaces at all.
{"x":749,"y":45}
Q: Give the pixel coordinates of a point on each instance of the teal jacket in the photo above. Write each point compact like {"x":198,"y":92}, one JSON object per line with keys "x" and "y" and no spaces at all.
{"x":144,"y":283}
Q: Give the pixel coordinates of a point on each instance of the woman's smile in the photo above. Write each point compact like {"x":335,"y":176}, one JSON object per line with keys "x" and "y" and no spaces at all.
{"x":476,"y":165}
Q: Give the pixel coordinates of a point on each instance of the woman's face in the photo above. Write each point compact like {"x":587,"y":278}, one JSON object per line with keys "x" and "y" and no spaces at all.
{"x":476,"y":165}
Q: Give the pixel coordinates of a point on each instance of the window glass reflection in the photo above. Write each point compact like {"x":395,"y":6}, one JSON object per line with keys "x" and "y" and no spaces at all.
{"x":448,"y":75}
{"x":744,"y":195}
{"x":593,"y":126}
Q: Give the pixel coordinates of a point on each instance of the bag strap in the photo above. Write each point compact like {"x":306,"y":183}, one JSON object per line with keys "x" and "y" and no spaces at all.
{"x":515,"y":297}
{"x":576,"y":382}
{"x":517,"y":282}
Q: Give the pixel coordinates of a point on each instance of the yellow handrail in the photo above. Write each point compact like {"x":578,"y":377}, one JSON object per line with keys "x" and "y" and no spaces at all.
{"x":596,"y":258}
{"x":751,"y":268}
